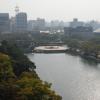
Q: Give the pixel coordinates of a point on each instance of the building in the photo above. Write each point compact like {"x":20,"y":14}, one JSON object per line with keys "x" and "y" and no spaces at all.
{"x":38,"y":24}
{"x":12,"y":24}
{"x":94,"y":24}
{"x":32,"y":25}
{"x":75,"y":23}
{"x":21,"y":22}
{"x":81,"y":30}
{"x":55,"y":23}
{"x":4,"y":22}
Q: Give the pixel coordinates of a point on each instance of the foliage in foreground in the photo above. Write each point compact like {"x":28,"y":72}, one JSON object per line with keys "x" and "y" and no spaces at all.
{"x":24,"y":86}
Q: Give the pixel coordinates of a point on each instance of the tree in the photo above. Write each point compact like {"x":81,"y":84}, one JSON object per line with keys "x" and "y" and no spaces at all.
{"x":26,"y":85}
{"x":6,"y":70}
{"x":20,"y":62}
{"x":35,"y":89}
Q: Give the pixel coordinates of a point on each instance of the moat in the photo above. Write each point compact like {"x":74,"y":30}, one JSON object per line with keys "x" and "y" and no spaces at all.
{"x":72,"y":77}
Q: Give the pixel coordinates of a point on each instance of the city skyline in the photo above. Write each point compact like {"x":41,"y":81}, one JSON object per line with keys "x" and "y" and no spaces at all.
{"x":64,"y":10}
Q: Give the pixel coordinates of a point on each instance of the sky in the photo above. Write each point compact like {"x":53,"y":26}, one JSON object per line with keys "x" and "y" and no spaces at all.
{"x":65,"y":10}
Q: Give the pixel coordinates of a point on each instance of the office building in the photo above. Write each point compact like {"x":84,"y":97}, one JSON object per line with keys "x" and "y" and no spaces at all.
{"x":38,"y":24}
{"x":21,"y":22}
{"x":78,"y":31}
{"x":75,"y":23}
{"x":4,"y":22}
{"x":12,"y":24}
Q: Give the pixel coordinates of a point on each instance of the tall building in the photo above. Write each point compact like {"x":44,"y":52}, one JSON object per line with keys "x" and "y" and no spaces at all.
{"x":21,"y":22}
{"x":75,"y":23}
{"x":4,"y":22}
{"x":12,"y":24}
{"x":32,"y":25}
{"x":40,"y":23}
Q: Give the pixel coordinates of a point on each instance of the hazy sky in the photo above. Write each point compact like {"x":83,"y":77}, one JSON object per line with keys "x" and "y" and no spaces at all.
{"x":55,"y":9}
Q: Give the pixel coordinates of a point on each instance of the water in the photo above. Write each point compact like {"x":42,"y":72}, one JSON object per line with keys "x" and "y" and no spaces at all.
{"x":71,"y":76}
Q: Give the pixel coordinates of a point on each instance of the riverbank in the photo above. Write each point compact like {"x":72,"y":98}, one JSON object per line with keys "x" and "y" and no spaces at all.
{"x":49,"y":51}
{"x":65,"y":49}
{"x":83,"y":55}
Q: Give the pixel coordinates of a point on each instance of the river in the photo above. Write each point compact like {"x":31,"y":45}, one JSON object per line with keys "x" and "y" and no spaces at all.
{"x":71,"y":76}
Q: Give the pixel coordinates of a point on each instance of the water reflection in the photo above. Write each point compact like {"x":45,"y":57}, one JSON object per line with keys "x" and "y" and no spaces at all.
{"x":89,"y":62}
{"x":73,"y":77}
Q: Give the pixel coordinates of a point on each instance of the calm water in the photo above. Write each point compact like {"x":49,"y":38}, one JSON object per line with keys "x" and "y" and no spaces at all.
{"x":72,"y":77}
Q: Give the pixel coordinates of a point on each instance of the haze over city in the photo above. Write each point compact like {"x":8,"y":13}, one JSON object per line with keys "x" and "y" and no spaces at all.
{"x":64,"y":10}
{"x":49,"y":50}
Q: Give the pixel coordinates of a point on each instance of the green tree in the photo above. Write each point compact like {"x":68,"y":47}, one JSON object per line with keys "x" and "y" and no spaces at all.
{"x":6,"y":70}
{"x":19,"y":60}
{"x":35,"y":89}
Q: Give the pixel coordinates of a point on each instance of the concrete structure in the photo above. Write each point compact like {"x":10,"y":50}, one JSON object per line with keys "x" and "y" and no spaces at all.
{"x":32,"y":25}
{"x":78,"y":31}
{"x":12,"y":24}
{"x":38,"y":24}
{"x":75,"y":23}
{"x":94,"y":24}
{"x":21,"y":22}
{"x":4,"y":22}
{"x":55,"y":23}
